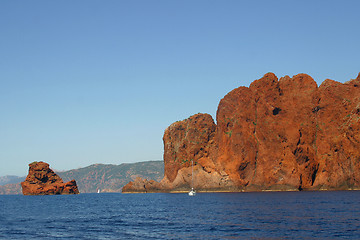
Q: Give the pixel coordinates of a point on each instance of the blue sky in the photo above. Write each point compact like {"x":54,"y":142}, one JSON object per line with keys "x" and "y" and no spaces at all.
{"x":86,"y":81}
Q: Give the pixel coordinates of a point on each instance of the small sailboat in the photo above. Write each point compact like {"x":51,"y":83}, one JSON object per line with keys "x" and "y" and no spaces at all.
{"x":192,"y":191}
{"x":98,"y":191}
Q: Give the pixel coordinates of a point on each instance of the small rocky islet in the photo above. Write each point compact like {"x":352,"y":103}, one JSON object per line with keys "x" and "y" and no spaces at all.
{"x":41,"y":180}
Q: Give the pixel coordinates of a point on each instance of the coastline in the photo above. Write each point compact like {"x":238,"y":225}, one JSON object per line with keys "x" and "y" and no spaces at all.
{"x":245,"y":191}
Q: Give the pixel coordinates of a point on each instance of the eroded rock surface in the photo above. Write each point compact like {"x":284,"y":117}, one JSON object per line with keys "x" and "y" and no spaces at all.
{"x":41,"y":180}
{"x":277,"y":134}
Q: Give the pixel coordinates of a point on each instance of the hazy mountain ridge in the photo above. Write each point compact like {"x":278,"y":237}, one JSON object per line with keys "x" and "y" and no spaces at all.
{"x":10,"y":189}
{"x":10,"y":184}
{"x":111,"y":178}
{"x":9,"y":179}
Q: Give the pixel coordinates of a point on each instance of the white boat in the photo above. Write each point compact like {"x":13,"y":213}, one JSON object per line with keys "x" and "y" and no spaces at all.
{"x":192,"y":191}
{"x":98,"y":191}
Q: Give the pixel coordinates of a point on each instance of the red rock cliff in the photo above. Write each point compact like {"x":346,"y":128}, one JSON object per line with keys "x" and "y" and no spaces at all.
{"x":41,"y":180}
{"x":286,"y":134}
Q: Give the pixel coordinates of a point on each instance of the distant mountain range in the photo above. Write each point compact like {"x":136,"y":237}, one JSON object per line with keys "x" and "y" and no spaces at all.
{"x":10,"y":179}
{"x":103,"y":177}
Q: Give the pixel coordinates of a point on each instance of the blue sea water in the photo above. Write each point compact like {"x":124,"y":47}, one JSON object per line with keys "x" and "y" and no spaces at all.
{"x":265,"y":215}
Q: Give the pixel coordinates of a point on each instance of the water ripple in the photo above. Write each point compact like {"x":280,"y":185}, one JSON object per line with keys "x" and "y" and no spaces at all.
{"x":295,"y":215}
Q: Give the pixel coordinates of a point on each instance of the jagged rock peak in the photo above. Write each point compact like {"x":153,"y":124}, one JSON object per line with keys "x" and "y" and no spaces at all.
{"x":41,"y":180}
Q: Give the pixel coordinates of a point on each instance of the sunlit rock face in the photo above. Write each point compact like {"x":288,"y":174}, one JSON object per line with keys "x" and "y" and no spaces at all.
{"x":277,"y":134}
{"x":41,"y":180}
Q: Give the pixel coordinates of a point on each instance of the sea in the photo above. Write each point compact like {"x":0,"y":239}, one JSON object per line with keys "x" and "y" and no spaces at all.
{"x":255,"y":215}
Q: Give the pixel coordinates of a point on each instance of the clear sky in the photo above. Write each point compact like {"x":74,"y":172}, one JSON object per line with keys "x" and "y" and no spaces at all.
{"x":86,"y":81}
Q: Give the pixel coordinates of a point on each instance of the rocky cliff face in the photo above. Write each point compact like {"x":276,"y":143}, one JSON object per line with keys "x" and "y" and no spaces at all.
{"x":277,"y":134}
{"x":41,"y":180}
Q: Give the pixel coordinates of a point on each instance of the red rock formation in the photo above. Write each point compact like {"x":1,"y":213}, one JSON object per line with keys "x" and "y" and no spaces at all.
{"x":41,"y":180}
{"x":186,"y":142}
{"x":272,"y":128}
{"x":142,"y":186}
{"x":286,"y":134}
